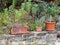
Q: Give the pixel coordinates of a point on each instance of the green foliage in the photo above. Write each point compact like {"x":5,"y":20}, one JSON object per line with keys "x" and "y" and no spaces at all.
{"x":58,"y":1}
{"x":14,"y":2}
{"x":40,"y":22}
{"x":25,"y":24}
{"x":3,"y":22}
{"x":18,"y":15}
{"x":23,"y":6}
{"x":29,"y":0}
{"x":42,"y":6}
{"x":11,"y":13}
{"x":3,"y":19}
{"x":51,"y":10}
{"x":32,"y":26}
{"x":34,"y":8}
{"x":5,"y":1}
{"x":1,"y":31}
{"x":28,"y":6}
{"x":58,"y":9}
{"x":6,"y":11}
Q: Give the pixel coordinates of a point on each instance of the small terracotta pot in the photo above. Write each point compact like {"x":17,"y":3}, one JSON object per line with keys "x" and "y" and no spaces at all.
{"x":50,"y":25}
{"x":39,"y":29}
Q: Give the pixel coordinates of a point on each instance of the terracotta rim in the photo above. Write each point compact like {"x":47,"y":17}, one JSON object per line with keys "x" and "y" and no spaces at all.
{"x":50,"y":22}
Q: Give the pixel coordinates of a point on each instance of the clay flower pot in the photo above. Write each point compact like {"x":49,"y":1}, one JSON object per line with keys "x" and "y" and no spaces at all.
{"x":50,"y":25}
{"x":39,"y":29}
{"x":21,"y":30}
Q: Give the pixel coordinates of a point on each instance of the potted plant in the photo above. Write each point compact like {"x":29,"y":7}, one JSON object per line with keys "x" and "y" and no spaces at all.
{"x":40,"y":24}
{"x":18,"y":18}
{"x":51,"y":13}
{"x":15,"y":16}
{"x":21,"y":28}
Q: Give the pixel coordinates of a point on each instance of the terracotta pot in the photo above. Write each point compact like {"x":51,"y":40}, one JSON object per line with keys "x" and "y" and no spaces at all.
{"x":19,"y":30}
{"x":39,"y":29}
{"x":50,"y":26}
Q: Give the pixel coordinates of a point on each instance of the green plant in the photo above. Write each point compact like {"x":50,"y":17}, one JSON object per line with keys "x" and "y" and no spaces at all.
{"x":1,"y":30}
{"x":41,"y":9}
{"x":58,"y":9}
{"x":18,"y":15}
{"x":3,"y":22}
{"x":51,"y":10}
{"x":32,"y":26}
{"x":11,"y":14}
{"x":58,"y":1}
{"x":1,"y":18}
{"x":25,"y":24}
{"x":34,"y":8}
{"x":23,"y":5}
{"x":6,"y":14}
{"x":14,"y":2}
{"x":40,"y":22}
{"x":4,"y":19}
{"x":28,"y":5}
